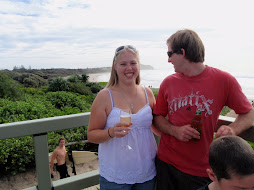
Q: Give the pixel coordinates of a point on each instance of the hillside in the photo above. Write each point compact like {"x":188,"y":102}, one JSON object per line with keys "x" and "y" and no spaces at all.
{"x":62,"y":72}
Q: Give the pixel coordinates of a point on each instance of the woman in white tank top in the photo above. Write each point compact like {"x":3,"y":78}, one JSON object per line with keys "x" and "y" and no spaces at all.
{"x":121,"y":168}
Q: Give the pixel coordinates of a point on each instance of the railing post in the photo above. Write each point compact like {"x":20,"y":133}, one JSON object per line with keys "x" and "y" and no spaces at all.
{"x":42,"y":161}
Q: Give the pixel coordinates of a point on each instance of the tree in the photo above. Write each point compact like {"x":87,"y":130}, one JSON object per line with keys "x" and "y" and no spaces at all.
{"x":84,"y":77}
{"x":58,"y":84}
{"x":74,"y":78}
{"x":8,"y":87}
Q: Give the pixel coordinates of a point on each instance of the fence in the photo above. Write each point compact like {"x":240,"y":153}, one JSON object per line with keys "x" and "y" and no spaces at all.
{"x":40,"y":127}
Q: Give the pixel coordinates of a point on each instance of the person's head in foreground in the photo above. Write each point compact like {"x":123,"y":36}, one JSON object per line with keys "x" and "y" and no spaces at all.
{"x":232,"y":164}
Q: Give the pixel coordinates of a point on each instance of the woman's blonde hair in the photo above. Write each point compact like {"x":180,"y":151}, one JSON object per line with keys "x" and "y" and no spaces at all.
{"x":113,"y":80}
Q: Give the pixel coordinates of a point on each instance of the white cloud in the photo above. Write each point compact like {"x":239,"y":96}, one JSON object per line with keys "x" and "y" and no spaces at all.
{"x":85,"y":33}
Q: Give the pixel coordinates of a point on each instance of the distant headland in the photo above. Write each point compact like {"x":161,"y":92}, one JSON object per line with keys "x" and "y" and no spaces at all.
{"x":62,"y":72}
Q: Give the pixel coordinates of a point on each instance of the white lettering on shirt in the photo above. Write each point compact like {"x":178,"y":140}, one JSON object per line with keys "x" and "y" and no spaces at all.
{"x":194,"y":99}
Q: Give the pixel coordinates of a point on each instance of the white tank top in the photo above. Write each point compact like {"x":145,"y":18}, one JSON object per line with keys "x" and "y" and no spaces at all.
{"x":129,"y":166}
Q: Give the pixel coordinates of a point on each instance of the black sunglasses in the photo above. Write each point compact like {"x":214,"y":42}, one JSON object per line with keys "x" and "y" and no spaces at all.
{"x":124,"y":47}
{"x":170,"y":53}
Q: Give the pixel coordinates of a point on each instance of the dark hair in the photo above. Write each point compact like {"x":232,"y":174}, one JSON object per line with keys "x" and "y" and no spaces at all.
{"x":231,"y":155}
{"x":60,"y":139}
{"x":189,"y":41}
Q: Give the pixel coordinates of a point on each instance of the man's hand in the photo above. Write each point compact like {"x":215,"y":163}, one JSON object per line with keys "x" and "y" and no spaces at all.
{"x":186,"y":132}
{"x":224,"y":130}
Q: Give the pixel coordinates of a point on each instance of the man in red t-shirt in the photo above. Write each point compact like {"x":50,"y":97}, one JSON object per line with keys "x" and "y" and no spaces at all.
{"x":181,"y":162}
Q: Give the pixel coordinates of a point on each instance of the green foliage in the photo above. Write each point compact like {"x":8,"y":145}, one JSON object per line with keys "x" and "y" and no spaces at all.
{"x":95,"y":87}
{"x":251,"y":144}
{"x":67,"y":99}
{"x":80,"y":88}
{"x":26,"y":110}
{"x":225,"y":110}
{"x":74,"y":78}
{"x":155,"y":92}
{"x":84,"y":77}
{"x":27,"y":98}
{"x":102,"y":84}
{"x":16,"y":154}
{"x":33,"y":91}
{"x":8,"y":87}
{"x":71,"y":135}
{"x":58,"y":84}
{"x":30,"y":80}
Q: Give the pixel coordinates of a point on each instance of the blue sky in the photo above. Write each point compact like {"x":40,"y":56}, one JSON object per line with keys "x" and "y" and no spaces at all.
{"x":85,"y":33}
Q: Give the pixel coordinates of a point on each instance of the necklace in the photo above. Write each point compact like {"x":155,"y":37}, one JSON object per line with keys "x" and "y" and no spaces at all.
{"x":127,"y":100}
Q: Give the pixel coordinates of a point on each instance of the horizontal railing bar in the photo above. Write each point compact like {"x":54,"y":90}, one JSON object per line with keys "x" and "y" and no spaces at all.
{"x":78,"y":182}
{"x":31,"y":188}
{"x":44,"y":125}
{"x":247,"y":135}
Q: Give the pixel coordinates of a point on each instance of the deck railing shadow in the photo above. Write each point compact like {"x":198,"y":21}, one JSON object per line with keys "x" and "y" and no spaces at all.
{"x":40,"y":127}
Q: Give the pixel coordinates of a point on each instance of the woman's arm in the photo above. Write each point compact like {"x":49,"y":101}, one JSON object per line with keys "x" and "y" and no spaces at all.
{"x":101,"y":107}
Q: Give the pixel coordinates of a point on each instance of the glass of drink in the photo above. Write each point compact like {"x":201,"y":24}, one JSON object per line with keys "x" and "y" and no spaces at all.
{"x":125,"y":117}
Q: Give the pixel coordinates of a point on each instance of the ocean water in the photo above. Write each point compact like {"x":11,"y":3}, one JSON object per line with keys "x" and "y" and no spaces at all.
{"x":154,"y":78}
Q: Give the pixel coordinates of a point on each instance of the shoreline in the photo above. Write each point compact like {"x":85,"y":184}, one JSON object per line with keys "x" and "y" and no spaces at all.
{"x":94,"y":77}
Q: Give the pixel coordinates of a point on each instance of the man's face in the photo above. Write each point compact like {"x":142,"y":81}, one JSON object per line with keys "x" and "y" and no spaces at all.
{"x":62,"y":142}
{"x":237,"y":183}
{"x":176,"y":60}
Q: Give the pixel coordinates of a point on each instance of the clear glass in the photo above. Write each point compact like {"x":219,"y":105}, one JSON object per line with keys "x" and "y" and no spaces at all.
{"x":125,"y":117}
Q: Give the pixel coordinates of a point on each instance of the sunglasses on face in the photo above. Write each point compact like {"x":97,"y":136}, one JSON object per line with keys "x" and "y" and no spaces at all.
{"x":170,"y":53}
{"x":124,"y":47}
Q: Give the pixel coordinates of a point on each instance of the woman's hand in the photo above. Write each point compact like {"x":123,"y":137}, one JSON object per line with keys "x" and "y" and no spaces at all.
{"x":119,"y":130}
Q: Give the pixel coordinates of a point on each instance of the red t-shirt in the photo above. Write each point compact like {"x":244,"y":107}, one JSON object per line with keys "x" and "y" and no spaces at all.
{"x":179,"y":97}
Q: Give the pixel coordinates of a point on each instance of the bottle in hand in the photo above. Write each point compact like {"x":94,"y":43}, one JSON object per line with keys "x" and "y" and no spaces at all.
{"x":197,"y":124}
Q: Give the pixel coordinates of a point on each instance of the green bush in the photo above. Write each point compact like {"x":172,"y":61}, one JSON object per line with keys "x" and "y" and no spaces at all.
{"x":155,"y":92}
{"x":95,"y":87}
{"x":58,"y":84}
{"x":84,"y":77}
{"x":102,"y":84}
{"x":74,"y":79}
{"x":80,"y":88}
{"x":16,"y":155}
{"x":62,"y":99}
{"x":30,"y":80}
{"x":225,"y":110}
{"x":26,"y":110}
{"x":9,"y":88}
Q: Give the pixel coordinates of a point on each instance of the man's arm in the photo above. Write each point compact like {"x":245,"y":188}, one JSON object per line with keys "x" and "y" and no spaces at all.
{"x":53,"y":157}
{"x":241,"y":123}
{"x":183,"y":133}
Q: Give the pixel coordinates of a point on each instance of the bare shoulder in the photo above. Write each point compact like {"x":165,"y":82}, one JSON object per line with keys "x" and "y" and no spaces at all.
{"x":101,"y":101}
{"x":102,"y":94}
{"x":150,"y":97}
{"x":55,"y":152}
{"x":149,"y":92}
